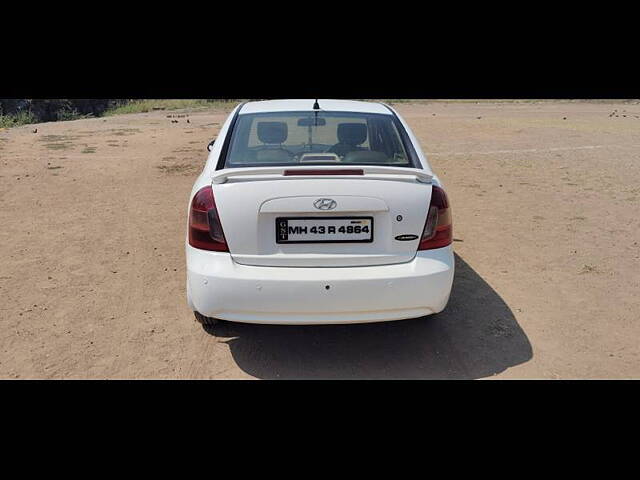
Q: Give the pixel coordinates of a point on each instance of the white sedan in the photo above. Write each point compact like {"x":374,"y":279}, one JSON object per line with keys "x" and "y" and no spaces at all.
{"x":317,"y":212}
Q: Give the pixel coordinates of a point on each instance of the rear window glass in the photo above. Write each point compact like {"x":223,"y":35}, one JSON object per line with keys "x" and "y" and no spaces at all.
{"x":317,"y":138}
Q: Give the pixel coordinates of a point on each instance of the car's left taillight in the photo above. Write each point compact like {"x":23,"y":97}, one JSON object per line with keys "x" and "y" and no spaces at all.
{"x":205,"y":229}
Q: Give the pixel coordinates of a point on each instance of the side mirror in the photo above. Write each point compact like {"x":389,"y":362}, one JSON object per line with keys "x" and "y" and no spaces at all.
{"x":210,"y":146}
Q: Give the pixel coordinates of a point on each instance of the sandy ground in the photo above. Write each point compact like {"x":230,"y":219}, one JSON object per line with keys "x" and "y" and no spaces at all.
{"x":545,"y":197}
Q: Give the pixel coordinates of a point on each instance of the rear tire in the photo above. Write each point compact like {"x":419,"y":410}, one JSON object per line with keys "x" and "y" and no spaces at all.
{"x":205,"y":321}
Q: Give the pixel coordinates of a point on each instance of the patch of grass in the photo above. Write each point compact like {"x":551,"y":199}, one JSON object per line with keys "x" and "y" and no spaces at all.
{"x":21,"y":118}
{"x":181,"y":168}
{"x":187,"y":150}
{"x":58,"y":142}
{"x":58,"y":138}
{"x":70,"y":114}
{"x":392,"y":101}
{"x":59,"y":146}
{"x":501,"y":100}
{"x":144,"y":106}
{"x":124,"y":131}
{"x":88,"y":149}
{"x":589,"y":269}
{"x":26,"y":117}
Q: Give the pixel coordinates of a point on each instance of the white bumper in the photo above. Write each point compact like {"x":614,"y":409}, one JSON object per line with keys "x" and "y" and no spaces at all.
{"x":220,"y":288}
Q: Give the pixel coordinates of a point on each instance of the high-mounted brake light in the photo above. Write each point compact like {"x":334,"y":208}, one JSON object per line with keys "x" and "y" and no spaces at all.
{"x":205,"y":229}
{"x":343,"y":171}
{"x":438,"y":229}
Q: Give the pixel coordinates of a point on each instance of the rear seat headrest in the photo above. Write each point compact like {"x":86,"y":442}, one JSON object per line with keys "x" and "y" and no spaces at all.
{"x":352,"y":133}
{"x":272,"y":132}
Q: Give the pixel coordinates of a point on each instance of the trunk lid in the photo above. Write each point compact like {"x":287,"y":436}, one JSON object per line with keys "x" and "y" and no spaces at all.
{"x":250,"y":203}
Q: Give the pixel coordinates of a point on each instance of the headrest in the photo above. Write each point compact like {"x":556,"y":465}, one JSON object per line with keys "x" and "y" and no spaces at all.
{"x":272,"y":132}
{"x":352,"y":133}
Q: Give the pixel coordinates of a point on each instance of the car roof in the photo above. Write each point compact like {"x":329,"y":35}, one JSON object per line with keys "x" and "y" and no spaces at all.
{"x":302,"y":105}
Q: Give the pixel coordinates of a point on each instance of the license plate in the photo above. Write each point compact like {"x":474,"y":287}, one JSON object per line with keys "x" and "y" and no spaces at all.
{"x":324,"y":230}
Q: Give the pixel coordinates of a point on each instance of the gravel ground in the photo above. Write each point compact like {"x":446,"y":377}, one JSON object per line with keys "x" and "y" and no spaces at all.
{"x":545,"y":199}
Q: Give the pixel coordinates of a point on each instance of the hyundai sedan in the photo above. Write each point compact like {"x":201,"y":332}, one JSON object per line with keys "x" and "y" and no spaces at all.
{"x":317,"y":212}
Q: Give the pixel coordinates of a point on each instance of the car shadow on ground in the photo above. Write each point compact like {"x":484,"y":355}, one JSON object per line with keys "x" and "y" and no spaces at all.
{"x":476,"y":336}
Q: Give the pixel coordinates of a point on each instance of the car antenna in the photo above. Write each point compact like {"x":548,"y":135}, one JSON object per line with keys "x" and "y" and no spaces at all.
{"x":316,"y":107}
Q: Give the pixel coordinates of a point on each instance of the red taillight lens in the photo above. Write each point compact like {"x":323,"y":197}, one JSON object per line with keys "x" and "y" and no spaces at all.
{"x":205,"y":229}
{"x":438,"y":229}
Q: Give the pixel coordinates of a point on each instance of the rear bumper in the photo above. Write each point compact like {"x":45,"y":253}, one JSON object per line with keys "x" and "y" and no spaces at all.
{"x":220,"y":288}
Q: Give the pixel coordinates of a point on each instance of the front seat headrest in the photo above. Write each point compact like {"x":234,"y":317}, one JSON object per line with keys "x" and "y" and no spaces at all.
{"x":272,"y":132}
{"x":352,"y":133}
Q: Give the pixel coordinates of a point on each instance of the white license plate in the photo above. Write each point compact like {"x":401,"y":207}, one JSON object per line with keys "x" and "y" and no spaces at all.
{"x":324,"y":230}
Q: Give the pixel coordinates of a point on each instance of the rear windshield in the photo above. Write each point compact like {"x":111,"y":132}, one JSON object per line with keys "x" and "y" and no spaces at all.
{"x":318,"y":138}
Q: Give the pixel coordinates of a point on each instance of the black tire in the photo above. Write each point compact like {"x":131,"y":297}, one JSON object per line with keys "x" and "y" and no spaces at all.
{"x":205,"y":321}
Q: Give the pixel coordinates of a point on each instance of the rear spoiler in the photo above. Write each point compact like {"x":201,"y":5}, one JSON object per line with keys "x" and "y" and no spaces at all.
{"x":323,"y":171}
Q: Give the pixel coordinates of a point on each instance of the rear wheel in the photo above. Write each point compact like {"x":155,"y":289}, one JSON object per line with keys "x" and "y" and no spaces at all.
{"x":205,"y":321}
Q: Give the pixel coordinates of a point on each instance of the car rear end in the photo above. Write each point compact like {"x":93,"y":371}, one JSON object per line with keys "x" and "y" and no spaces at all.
{"x":318,"y":217}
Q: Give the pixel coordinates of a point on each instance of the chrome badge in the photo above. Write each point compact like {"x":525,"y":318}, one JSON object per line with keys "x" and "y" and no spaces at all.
{"x":325,"y":204}
{"x":406,"y":237}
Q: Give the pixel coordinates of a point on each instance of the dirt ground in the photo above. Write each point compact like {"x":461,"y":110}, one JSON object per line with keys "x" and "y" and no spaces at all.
{"x":545,"y":198}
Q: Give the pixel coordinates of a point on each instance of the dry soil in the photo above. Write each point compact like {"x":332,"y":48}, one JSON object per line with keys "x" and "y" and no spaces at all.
{"x":545,"y":198}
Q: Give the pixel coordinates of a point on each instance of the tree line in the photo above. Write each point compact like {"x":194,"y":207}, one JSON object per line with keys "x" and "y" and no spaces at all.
{"x":47,"y":110}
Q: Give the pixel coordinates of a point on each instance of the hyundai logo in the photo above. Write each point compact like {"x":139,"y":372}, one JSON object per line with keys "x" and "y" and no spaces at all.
{"x":325,"y":204}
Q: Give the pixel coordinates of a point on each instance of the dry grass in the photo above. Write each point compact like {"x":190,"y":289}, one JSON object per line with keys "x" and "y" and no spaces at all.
{"x":148,"y":105}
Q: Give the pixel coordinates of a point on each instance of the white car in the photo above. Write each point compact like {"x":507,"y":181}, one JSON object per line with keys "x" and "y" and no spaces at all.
{"x":317,"y":212}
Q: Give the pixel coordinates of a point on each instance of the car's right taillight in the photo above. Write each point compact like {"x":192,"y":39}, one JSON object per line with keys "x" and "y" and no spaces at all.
{"x":205,"y":229}
{"x":438,"y":229}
